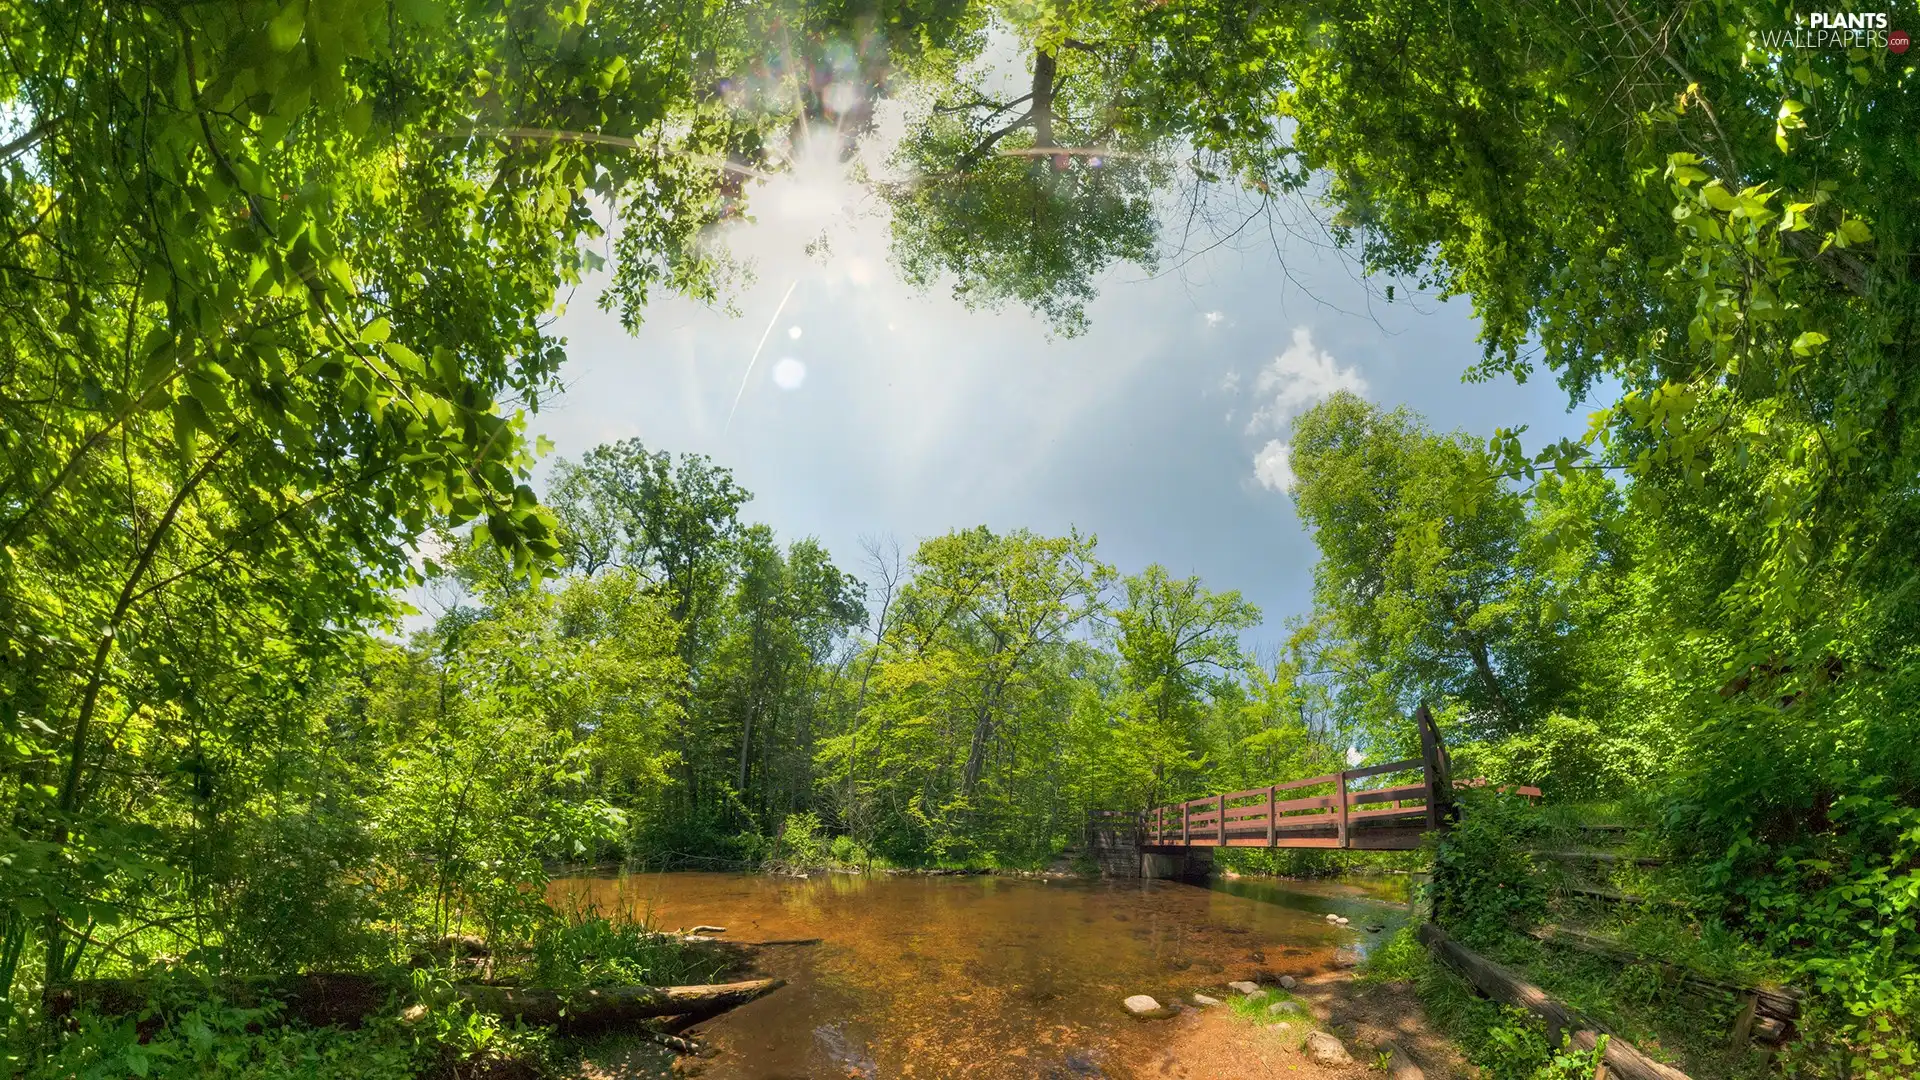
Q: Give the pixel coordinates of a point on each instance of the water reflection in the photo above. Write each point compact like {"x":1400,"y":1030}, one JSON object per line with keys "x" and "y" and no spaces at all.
{"x":977,"y":976}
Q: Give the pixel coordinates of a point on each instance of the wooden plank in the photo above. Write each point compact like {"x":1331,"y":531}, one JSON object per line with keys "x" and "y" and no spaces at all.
{"x":1308,"y":782}
{"x":1318,"y":802}
{"x":1392,"y":794}
{"x":1380,"y":770}
{"x":1599,"y":857}
{"x":1388,"y":812}
{"x":1387,"y":839}
{"x":1623,"y":1059}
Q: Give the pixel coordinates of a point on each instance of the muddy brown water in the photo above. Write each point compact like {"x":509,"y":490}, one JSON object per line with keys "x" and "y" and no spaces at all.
{"x":984,"y":976}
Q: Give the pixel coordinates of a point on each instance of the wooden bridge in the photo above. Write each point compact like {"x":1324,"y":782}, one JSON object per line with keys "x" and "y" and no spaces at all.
{"x":1385,"y":807}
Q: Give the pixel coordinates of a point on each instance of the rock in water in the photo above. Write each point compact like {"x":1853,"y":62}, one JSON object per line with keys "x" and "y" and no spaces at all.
{"x":1142,"y":1005}
{"x":1332,"y":918}
{"x":1324,"y":1049}
{"x":1244,"y":987}
{"x":1346,"y":958}
{"x":1203,"y":1000}
{"x":1288,"y":982}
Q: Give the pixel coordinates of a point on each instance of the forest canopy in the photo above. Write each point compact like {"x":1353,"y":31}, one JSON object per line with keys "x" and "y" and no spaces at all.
{"x":275,"y":310}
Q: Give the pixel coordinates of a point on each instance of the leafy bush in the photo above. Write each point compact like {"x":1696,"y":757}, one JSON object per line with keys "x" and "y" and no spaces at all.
{"x":1484,"y":884}
{"x":1517,"y":1049}
{"x":802,"y":844}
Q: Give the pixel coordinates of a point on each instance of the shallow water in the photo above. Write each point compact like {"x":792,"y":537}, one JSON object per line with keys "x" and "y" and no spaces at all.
{"x":980,"y":976}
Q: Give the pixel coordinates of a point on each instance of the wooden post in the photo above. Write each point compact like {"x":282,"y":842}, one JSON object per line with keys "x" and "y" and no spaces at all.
{"x":1270,"y":821}
{"x":1743,"y":1024}
{"x":1222,"y":822}
{"x":1433,"y":754}
{"x":1341,"y":783}
{"x":1186,"y":819}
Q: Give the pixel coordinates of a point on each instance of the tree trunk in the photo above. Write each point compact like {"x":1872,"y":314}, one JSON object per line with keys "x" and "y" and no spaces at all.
{"x":1483,"y":664}
{"x":1042,"y":108}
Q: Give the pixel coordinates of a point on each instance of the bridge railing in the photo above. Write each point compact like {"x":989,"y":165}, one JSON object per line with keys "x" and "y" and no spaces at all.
{"x":1386,"y":806}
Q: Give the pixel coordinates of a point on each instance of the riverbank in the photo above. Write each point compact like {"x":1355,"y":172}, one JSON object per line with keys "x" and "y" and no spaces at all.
{"x":1371,"y":1019}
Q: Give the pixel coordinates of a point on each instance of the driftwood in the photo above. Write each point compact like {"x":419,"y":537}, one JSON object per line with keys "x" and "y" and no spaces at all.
{"x":1622,"y":1058}
{"x":344,"y":1000}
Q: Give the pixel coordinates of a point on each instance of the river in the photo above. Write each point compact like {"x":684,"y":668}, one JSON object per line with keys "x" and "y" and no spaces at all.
{"x":984,"y":976}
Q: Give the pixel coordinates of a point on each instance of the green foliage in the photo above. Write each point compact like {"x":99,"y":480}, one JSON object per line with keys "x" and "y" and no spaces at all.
{"x":1517,"y":1049}
{"x":1484,"y":885}
{"x":214,"y":1039}
{"x":582,"y":949}
{"x":1571,"y":759}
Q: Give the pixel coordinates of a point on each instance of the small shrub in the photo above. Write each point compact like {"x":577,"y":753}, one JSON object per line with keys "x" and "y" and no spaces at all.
{"x":1484,"y":883}
{"x":593,"y":950}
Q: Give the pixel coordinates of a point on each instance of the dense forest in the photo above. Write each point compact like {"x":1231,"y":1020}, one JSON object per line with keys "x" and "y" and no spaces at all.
{"x":274,"y":321}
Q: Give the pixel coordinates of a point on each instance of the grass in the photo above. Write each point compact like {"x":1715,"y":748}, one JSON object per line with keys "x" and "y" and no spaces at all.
{"x":1255,"y":1007}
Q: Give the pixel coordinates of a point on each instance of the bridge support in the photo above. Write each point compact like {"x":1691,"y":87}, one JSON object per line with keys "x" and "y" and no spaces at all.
{"x":1191,"y":865}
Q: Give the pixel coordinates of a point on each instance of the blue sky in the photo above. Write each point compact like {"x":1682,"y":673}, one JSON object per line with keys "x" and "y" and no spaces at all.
{"x":876,"y":410}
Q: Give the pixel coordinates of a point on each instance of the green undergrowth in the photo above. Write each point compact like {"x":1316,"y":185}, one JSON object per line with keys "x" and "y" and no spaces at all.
{"x":803,"y":845}
{"x":211,"y":1038}
{"x":1509,"y":874}
{"x":1504,"y":1042}
{"x":187,"y":1031}
{"x":591,"y":949}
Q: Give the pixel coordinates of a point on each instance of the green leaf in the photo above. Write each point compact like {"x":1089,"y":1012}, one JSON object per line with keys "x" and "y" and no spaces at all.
{"x":286,"y":29}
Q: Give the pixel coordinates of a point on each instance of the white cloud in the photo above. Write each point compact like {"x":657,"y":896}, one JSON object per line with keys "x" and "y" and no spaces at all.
{"x":1299,"y":379}
{"x":1296,"y":380}
{"x":1215,"y":318}
{"x":1273,"y":466}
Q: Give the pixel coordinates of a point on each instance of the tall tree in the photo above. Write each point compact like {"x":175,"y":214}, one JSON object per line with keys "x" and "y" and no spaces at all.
{"x":1418,"y":562}
{"x":1179,"y":648}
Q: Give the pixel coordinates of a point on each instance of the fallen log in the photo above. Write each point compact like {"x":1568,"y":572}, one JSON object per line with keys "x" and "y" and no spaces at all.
{"x":1622,"y":1058}
{"x":344,"y":1000}
{"x":609,"y":1005}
